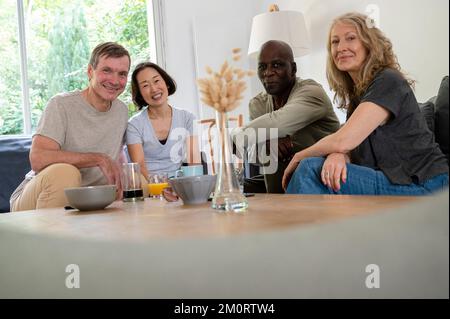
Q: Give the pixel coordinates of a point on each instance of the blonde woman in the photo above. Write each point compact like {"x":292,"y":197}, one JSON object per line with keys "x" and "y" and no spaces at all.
{"x":385,"y":146}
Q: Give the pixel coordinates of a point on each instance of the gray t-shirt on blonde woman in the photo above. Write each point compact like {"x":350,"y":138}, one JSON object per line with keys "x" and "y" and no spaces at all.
{"x":78,"y":127}
{"x":159,"y":157}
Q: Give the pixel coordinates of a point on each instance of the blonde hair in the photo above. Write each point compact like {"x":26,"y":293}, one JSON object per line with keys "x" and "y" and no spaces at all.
{"x":379,"y":57}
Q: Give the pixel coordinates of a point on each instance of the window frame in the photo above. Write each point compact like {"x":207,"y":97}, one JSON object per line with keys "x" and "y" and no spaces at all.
{"x":155,"y":23}
{"x":156,"y":31}
{"x":24,"y":70}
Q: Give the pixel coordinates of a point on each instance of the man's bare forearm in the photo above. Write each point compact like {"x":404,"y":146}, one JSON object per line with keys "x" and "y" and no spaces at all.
{"x":40,"y":159}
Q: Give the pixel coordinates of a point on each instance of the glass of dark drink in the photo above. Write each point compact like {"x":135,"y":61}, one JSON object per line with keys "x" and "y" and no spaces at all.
{"x":132,"y":187}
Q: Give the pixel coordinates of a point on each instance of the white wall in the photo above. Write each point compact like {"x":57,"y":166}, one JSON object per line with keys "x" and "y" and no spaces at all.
{"x":227,"y":23}
{"x":418,"y":30}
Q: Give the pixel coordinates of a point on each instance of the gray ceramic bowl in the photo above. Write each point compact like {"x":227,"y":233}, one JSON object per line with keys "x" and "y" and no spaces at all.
{"x":91,"y":197}
{"x":193,"y":189}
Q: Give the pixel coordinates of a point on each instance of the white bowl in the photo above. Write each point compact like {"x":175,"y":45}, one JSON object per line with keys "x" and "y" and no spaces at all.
{"x":91,"y":197}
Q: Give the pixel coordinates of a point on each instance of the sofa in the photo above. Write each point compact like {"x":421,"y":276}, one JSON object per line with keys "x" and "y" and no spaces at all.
{"x":14,"y":164}
{"x":435,"y":112}
{"x":14,"y":151}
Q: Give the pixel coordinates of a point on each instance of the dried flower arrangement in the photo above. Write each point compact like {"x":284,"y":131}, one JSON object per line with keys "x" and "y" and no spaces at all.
{"x":223,"y":90}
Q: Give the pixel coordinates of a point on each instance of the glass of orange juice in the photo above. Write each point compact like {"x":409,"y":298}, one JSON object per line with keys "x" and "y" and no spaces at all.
{"x":157,"y":182}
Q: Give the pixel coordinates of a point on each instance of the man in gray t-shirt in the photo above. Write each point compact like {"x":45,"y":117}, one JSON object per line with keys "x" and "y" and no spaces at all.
{"x":79,"y":138}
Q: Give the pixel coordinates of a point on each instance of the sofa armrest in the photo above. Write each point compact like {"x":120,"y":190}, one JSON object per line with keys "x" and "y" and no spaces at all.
{"x":14,"y":164}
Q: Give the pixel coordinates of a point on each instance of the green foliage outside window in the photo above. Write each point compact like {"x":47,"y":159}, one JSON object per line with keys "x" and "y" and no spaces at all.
{"x":60,"y":36}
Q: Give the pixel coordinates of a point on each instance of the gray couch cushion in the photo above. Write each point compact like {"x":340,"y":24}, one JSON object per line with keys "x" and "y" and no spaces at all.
{"x":14,"y":164}
{"x":427,"y":110}
{"x":441,"y":117}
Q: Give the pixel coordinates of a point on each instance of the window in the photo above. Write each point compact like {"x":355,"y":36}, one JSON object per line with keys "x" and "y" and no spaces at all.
{"x":46,"y":45}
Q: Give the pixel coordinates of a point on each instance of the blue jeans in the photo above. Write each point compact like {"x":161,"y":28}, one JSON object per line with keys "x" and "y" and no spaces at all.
{"x":360,"y":181}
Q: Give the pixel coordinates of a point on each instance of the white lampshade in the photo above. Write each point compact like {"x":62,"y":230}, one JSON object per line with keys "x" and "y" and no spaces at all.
{"x":287,"y":26}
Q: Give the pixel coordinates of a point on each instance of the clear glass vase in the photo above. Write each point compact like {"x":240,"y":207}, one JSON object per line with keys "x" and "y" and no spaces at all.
{"x":227,"y":195}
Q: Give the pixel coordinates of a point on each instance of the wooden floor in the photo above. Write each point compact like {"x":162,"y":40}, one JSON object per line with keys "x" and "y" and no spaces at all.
{"x":155,"y":218}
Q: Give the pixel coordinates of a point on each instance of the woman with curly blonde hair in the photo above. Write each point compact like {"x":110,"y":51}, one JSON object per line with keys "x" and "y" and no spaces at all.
{"x":385,"y":146}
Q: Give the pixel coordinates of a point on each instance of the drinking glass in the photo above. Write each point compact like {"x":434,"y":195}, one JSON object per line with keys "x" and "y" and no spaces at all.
{"x":156,"y":183}
{"x":131,"y":182}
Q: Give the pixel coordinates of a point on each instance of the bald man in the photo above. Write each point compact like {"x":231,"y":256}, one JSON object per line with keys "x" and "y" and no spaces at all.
{"x":299,"y":109}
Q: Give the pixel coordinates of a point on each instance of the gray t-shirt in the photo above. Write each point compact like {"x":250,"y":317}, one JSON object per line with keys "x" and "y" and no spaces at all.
{"x":161,"y":158}
{"x":403,"y":148}
{"x":76,"y":126}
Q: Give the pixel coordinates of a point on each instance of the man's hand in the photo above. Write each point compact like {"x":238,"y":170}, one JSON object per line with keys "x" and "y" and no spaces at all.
{"x":290,"y":169}
{"x":112,"y":172}
{"x":334,"y":170}
{"x":285,"y":148}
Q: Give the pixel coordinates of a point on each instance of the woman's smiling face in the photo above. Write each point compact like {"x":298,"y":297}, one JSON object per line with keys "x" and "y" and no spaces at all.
{"x":347,"y":49}
{"x":152,"y":86}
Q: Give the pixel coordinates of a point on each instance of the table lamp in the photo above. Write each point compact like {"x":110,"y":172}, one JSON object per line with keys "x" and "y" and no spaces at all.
{"x":287,"y":26}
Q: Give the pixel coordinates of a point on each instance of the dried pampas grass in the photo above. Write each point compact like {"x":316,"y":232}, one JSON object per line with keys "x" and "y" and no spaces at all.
{"x":224,"y":90}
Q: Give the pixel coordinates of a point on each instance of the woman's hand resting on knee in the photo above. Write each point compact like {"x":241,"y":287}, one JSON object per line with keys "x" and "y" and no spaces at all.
{"x":334,"y":170}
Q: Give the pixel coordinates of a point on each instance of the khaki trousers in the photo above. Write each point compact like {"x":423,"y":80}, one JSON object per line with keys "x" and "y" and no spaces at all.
{"x":46,"y":189}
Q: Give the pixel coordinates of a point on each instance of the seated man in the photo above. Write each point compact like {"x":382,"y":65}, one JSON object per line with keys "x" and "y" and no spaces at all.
{"x":79,"y":138}
{"x":298,"y":109}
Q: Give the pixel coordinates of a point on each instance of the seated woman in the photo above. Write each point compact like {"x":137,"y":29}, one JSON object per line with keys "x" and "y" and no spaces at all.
{"x":385,"y":146}
{"x":160,"y":136}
